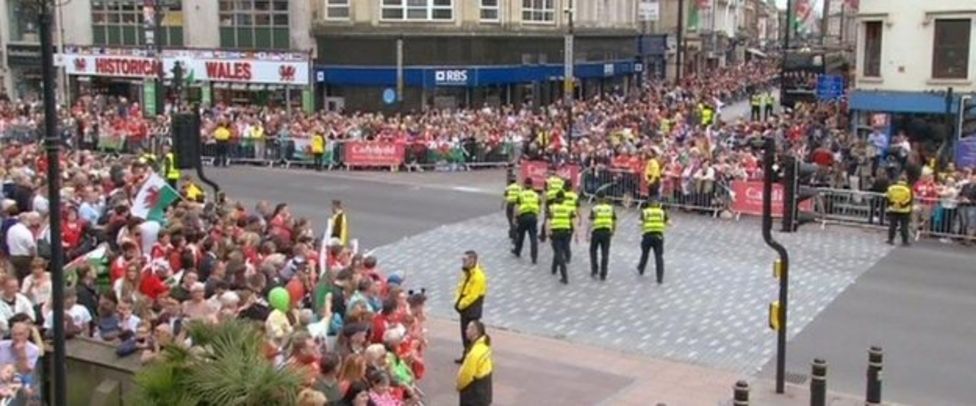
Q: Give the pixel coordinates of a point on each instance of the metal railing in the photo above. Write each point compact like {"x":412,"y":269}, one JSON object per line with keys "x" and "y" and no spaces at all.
{"x":627,"y":188}
{"x":947,"y":218}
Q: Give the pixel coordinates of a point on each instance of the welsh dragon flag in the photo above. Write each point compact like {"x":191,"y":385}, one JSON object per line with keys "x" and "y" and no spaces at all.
{"x":153,"y":198}
{"x":96,"y":259}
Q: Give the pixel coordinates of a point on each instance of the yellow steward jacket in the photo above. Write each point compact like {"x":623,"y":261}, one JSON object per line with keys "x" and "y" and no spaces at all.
{"x":899,"y":198}
{"x":474,"y":377}
{"x":471,"y":290}
{"x":340,"y":227}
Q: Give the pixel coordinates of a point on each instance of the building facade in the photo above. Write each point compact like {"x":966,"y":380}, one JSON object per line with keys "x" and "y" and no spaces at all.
{"x":469,"y":52}
{"x":232,"y":50}
{"x":908,"y":55}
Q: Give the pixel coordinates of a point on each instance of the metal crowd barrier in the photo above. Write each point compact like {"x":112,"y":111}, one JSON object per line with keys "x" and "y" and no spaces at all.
{"x":288,"y":152}
{"x":20,"y":134}
{"x":950,"y":219}
{"x":625,"y":187}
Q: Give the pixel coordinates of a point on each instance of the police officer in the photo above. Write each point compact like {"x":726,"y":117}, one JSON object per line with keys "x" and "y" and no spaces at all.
{"x":559,"y":218}
{"x":554,"y":184}
{"x":170,"y":169}
{"x":571,"y":199}
{"x":654,"y":220}
{"x":756,"y":101}
{"x":512,"y":192}
{"x":767,"y":102}
{"x":707,"y":114}
{"x":603,"y":222}
{"x":528,"y":221}
{"x":900,"y":201}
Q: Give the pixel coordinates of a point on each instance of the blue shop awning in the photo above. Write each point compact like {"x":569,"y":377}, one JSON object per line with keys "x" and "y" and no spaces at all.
{"x":901,"y":102}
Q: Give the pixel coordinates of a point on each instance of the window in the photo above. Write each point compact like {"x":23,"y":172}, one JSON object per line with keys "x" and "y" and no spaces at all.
{"x":489,"y":10}
{"x":336,"y":9}
{"x":872,"y":48}
{"x":121,"y":22}
{"x":950,"y":52}
{"x":417,"y":10}
{"x":538,"y":11}
{"x":261,"y":24}
{"x":23,"y":22}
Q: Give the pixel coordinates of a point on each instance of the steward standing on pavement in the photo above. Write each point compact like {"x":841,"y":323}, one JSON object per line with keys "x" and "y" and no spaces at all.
{"x":512,"y":192}
{"x":560,"y":219}
{"x":474,"y":377}
{"x":900,"y":201}
{"x":528,"y":221}
{"x":767,"y":102}
{"x":654,"y":220}
{"x":318,"y":149}
{"x":756,"y":101}
{"x":470,"y":296}
{"x":222,"y":136}
{"x":603,"y":222}
{"x":170,"y":169}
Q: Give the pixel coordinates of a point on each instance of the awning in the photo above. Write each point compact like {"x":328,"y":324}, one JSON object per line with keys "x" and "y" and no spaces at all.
{"x":756,"y":52}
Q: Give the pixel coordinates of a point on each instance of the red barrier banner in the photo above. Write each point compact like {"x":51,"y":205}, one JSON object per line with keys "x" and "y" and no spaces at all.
{"x":358,"y":153}
{"x":538,"y":171}
{"x":749,"y":199}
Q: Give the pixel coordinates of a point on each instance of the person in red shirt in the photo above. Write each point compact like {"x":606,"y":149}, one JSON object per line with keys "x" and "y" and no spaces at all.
{"x":153,"y":282}
{"x":162,"y":246}
{"x":71,"y":230}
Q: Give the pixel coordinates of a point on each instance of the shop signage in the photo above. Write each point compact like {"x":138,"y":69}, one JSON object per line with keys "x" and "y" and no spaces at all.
{"x":23,"y":55}
{"x":253,"y":71}
{"x":373,"y":154}
{"x":451,"y":77}
{"x":608,"y":69}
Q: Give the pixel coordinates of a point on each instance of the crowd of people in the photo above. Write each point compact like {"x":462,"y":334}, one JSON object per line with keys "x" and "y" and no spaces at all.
{"x":358,"y":333}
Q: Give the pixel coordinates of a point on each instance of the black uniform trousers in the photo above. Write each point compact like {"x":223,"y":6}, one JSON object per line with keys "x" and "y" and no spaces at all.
{"x":653,"y":241}
{"x":768,"y":111}
{"x":222,"y":150}
{"x":510,"y":215}
{"x":756,"y":113}
{"x":895,"y":221}
{"x":560,"y":249}
{"x":599,"y":240}
{"x":527,"y":224}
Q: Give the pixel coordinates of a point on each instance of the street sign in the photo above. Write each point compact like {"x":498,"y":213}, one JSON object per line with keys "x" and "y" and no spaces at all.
{"x":830,"y":87}
{"x":649,"y":10}
{"x":389,"y":96}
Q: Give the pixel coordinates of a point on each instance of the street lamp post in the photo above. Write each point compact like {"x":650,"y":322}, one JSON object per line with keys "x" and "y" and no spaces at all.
{"x":52,"y":143}
{"x":568,"y":74}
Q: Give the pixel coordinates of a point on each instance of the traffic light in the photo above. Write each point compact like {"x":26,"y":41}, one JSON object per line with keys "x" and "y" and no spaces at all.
{"x":797,"y":188}
{"x":177,"y":75}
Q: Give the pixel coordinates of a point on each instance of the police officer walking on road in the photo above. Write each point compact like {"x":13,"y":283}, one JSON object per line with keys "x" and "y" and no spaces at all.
{"x":571,"y":199}
{"x":603,"y":222}
{"x":512,"y":192}
{"x":900,"y":201}
{"x":554,"y":184}
{"x":560,"y":221}
{"x":654,"y":220}
{"x":528,"y":221}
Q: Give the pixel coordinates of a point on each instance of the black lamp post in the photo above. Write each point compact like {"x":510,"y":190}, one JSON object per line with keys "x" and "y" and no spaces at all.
{"x":52,"y":143}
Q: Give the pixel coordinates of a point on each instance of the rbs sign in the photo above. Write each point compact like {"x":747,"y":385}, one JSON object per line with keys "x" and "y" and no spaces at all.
{"x":455,"y":77}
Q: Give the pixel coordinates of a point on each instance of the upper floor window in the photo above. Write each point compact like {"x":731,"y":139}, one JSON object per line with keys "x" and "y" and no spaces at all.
{"x":950,"y":51}
{"x":872,"y":48}
{"x":489,"y":10}
{"x":121,"y":22}
{"x":336,"y":9}
{"x":540,"y":11}
{"x":417,"y":10}
{"x":23,"y":21}
{"x":260,"y":24}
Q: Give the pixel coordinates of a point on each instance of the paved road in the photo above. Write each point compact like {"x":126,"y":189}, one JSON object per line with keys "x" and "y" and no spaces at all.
{"x":918,"y":304}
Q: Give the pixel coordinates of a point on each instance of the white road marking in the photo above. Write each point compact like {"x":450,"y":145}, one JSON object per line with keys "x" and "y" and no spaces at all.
{"x":468,"y":189}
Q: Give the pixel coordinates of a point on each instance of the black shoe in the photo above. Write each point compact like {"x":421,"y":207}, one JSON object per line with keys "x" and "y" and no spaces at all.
{"x":640,"y":272}
{"x":564,"y":281}
{"x":458,"y":360}
{"x":517,"y":255}
{"x":906,"y":244}
{"x":603,"y":278}
{"x":889,"y":242}
{"x":593,"y":275}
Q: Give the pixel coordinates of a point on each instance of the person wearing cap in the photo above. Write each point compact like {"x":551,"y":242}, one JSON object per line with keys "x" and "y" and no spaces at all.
{"x":512,"y":192}
{"x":603,"y":222}
{"x":654,"y":220}
{"x":528,"y":221}
{"x":340,"y":223}
{"x":469,"y":298}
{"x":559,"y":218}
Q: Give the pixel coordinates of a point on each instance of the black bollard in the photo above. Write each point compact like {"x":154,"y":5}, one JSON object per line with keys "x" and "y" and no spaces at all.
{"x":741,"y":394}
{"x":818,"y":383}
{"x":875,"y":356}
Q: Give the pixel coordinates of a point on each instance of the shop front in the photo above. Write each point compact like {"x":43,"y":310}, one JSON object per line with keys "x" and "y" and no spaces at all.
{"x":210,"y":76}
{"x":24,"y":63}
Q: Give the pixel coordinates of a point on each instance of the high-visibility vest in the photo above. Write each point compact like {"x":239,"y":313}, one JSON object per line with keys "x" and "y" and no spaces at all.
{"x":707,"y":115}
{"x":767,"y":99}
{"x":899,"y":198}
{"x":603,"y":217}
{"x":554,"y":184}
{"x":757,"y":100}
{"x":571,"y":199}
{"x":654,"y":220}
{"x":562,"y":217}
{"x":528,"y":202}
{"x":222,"y":134}
{"x":318,"y":144}
{"x":172,"y":172}
{"x":512,"y":193}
